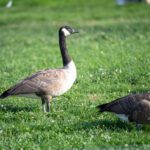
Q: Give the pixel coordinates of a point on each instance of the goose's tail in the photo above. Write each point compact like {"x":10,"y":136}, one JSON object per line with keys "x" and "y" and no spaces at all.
{"x":102,"y":107}
{"x":4,"y":94}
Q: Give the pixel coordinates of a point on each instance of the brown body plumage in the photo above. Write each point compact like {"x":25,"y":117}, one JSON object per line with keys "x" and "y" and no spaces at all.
{"x":135,"y":107}
{"x":51,"y":82}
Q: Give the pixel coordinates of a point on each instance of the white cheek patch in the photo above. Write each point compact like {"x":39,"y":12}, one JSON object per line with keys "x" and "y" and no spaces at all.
{"x":66,"y":32}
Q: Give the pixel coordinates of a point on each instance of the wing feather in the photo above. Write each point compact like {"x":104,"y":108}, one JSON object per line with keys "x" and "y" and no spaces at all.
{"x":39,"y":82}
{"x":126,"y":105}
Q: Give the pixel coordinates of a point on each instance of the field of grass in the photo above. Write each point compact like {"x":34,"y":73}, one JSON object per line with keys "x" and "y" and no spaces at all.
{"x":112,"y":56}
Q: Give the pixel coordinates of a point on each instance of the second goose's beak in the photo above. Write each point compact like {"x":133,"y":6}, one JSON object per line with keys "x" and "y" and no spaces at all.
{"x":75,"y":31}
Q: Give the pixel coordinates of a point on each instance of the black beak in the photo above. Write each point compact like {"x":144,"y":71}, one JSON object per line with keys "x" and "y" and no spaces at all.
{"x":75,"y":31}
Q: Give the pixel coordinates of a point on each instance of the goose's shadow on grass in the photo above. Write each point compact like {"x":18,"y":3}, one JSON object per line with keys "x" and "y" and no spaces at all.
{"x":105,"y":125}
{"x":15,"y":109}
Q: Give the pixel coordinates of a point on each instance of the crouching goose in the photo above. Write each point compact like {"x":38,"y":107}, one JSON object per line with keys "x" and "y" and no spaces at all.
{"x":133,"y":108}
{"x":48,"y":83}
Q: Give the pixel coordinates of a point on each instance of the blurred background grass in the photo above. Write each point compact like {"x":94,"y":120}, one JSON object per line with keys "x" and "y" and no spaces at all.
{"x":112,"y":58}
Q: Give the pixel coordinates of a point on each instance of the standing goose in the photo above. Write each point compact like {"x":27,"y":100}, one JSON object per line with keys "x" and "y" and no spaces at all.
{"x":48,"y":83}
{"x":133,"y":108}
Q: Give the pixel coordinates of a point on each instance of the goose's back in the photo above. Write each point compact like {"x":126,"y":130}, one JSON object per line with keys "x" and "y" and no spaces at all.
{"x":52,"y":82}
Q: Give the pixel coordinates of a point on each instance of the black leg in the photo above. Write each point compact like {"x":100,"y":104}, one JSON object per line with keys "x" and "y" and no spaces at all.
{"x":43,"y":104}
{"x":138,"y":127}
{"x":48,"y":106}
{"x":46,"y":100}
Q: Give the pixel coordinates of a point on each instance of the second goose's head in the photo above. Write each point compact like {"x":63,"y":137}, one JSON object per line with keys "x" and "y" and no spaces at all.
{"x":66,"y":30}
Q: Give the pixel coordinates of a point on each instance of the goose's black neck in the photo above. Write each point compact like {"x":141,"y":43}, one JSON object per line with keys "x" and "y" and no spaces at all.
{"x":64,"y":52}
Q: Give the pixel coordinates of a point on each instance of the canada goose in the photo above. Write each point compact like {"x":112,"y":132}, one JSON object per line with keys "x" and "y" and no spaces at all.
{"x":51,"y":82}
{"x":133,"y":108}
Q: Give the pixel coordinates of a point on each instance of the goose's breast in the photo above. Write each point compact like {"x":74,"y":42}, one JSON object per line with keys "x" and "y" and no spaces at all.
{"x":59,"y":87}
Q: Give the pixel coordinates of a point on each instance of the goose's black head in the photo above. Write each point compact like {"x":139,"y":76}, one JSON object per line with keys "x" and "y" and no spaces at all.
{"x":66,"y":30}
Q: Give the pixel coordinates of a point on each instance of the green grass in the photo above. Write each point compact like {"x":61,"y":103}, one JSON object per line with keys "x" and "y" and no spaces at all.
{"x":111,"y":54}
